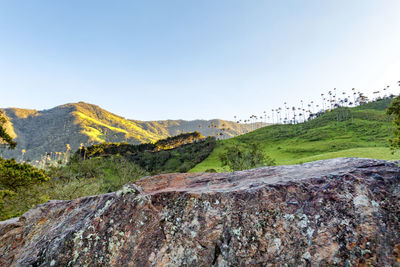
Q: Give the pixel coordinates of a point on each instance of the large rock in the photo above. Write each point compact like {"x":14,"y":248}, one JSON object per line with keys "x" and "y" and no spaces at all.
{"x":343,"y":212}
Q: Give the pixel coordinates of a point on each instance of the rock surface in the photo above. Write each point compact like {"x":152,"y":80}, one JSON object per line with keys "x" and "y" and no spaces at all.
{"x":343,"y":212}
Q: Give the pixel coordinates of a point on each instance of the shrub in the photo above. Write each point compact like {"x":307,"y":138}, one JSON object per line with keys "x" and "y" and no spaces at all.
{"x":16,"y":181}
{"x":394,"y":109}
{"x":109,"y":173}
{"x":238,"y":158}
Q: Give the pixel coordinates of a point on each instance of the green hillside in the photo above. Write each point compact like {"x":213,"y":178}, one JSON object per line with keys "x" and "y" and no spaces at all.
{"x":344,"y":132}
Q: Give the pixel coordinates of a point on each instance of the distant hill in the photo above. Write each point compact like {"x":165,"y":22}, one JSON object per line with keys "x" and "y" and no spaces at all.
{"x":49,"y":131}
{"x":361,"y":131}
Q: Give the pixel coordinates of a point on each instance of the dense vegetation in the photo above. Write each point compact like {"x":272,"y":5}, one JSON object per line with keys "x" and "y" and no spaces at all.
{"x":361,"y":131}
{"x":77,"y":179}
{"x":394,"y":109}
{"x":174,"y":154}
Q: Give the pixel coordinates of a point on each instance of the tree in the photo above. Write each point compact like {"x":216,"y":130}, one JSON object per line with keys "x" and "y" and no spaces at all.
{"x":238,"y":158}
{"x":13,"y":175}
{"x":394,"y":109}
{"x":5,"y":139}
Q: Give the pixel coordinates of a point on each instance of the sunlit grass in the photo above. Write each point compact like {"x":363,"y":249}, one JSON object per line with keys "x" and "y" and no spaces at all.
{"x":364,"y":134}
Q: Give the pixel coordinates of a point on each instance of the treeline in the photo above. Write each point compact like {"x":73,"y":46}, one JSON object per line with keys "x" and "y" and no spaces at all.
{"x":174,"y":154}
{"x":107,"y":149}
{"x":178,"y":140}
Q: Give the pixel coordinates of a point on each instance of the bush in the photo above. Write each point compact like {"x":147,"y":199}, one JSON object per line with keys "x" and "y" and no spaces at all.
{"x":16,"y":182}
{"x":238,"y":158}
{"x":14,"y":175}
{"x":394,"y":109}
{"x":109,"y":173}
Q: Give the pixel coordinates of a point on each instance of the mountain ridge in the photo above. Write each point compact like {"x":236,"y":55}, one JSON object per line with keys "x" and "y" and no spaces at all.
{"x":41,"y":132}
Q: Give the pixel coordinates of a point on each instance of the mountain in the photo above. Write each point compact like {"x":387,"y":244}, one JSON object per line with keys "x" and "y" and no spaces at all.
{"x":361,"y":131}
{"x":39,"y":133}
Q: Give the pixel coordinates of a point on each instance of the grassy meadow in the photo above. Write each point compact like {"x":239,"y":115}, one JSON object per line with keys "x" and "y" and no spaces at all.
{"x":361,"y":131}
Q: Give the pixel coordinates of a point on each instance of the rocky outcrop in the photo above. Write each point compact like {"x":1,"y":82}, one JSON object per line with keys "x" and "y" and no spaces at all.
{"x":343,"y":212}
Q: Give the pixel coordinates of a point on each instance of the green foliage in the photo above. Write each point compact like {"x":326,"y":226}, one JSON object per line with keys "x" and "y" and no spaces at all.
{"x":240,"y":158}
{"x":178,"y":140}
{"x":77,"y":179}
{"x":5,"y":139}
{"x":174,"y":154}
{"x":14,"y":175}
{"x":394,"y":109}
{"x":110,"y":174}
{"x":15,"y":180}
{"x":109,"y":149}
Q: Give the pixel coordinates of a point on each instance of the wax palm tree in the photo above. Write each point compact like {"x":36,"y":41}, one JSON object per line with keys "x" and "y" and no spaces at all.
{"x":286,"y":110}
{"x":279,"y":115}
{"x":384,"y":91}
{"x":330,"y":99}
{"x":272,"y":116}
{"x":265,"y":116}
{"x":376,"y":93}
{"x":23,"y":151}
{"x":294,"y":114}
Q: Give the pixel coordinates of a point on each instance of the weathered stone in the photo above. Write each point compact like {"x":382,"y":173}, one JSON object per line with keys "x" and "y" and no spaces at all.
{"x":343,"y":212}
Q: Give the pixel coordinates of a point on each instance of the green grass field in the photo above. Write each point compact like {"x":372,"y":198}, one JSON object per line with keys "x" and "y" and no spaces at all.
{"x":344,"y":132}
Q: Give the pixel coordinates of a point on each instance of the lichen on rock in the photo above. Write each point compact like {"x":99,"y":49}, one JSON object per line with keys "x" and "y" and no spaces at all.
{"x":342,"y":212}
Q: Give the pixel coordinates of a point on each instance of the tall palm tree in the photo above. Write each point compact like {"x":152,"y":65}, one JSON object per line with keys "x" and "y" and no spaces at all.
{"x":265,"y":116}
{"x":272,"y":116}
{"x":376,"y":93}
{"x":330,"y":99}
{"x":344,"y":97}
{"x":286,"y":110}
{"x":294,"y":114}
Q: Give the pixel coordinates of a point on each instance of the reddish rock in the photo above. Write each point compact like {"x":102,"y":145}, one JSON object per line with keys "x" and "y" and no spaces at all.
{"x":343,"y":212}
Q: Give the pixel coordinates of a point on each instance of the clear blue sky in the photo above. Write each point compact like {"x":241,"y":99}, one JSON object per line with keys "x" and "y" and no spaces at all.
{"x":152,"y":60}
